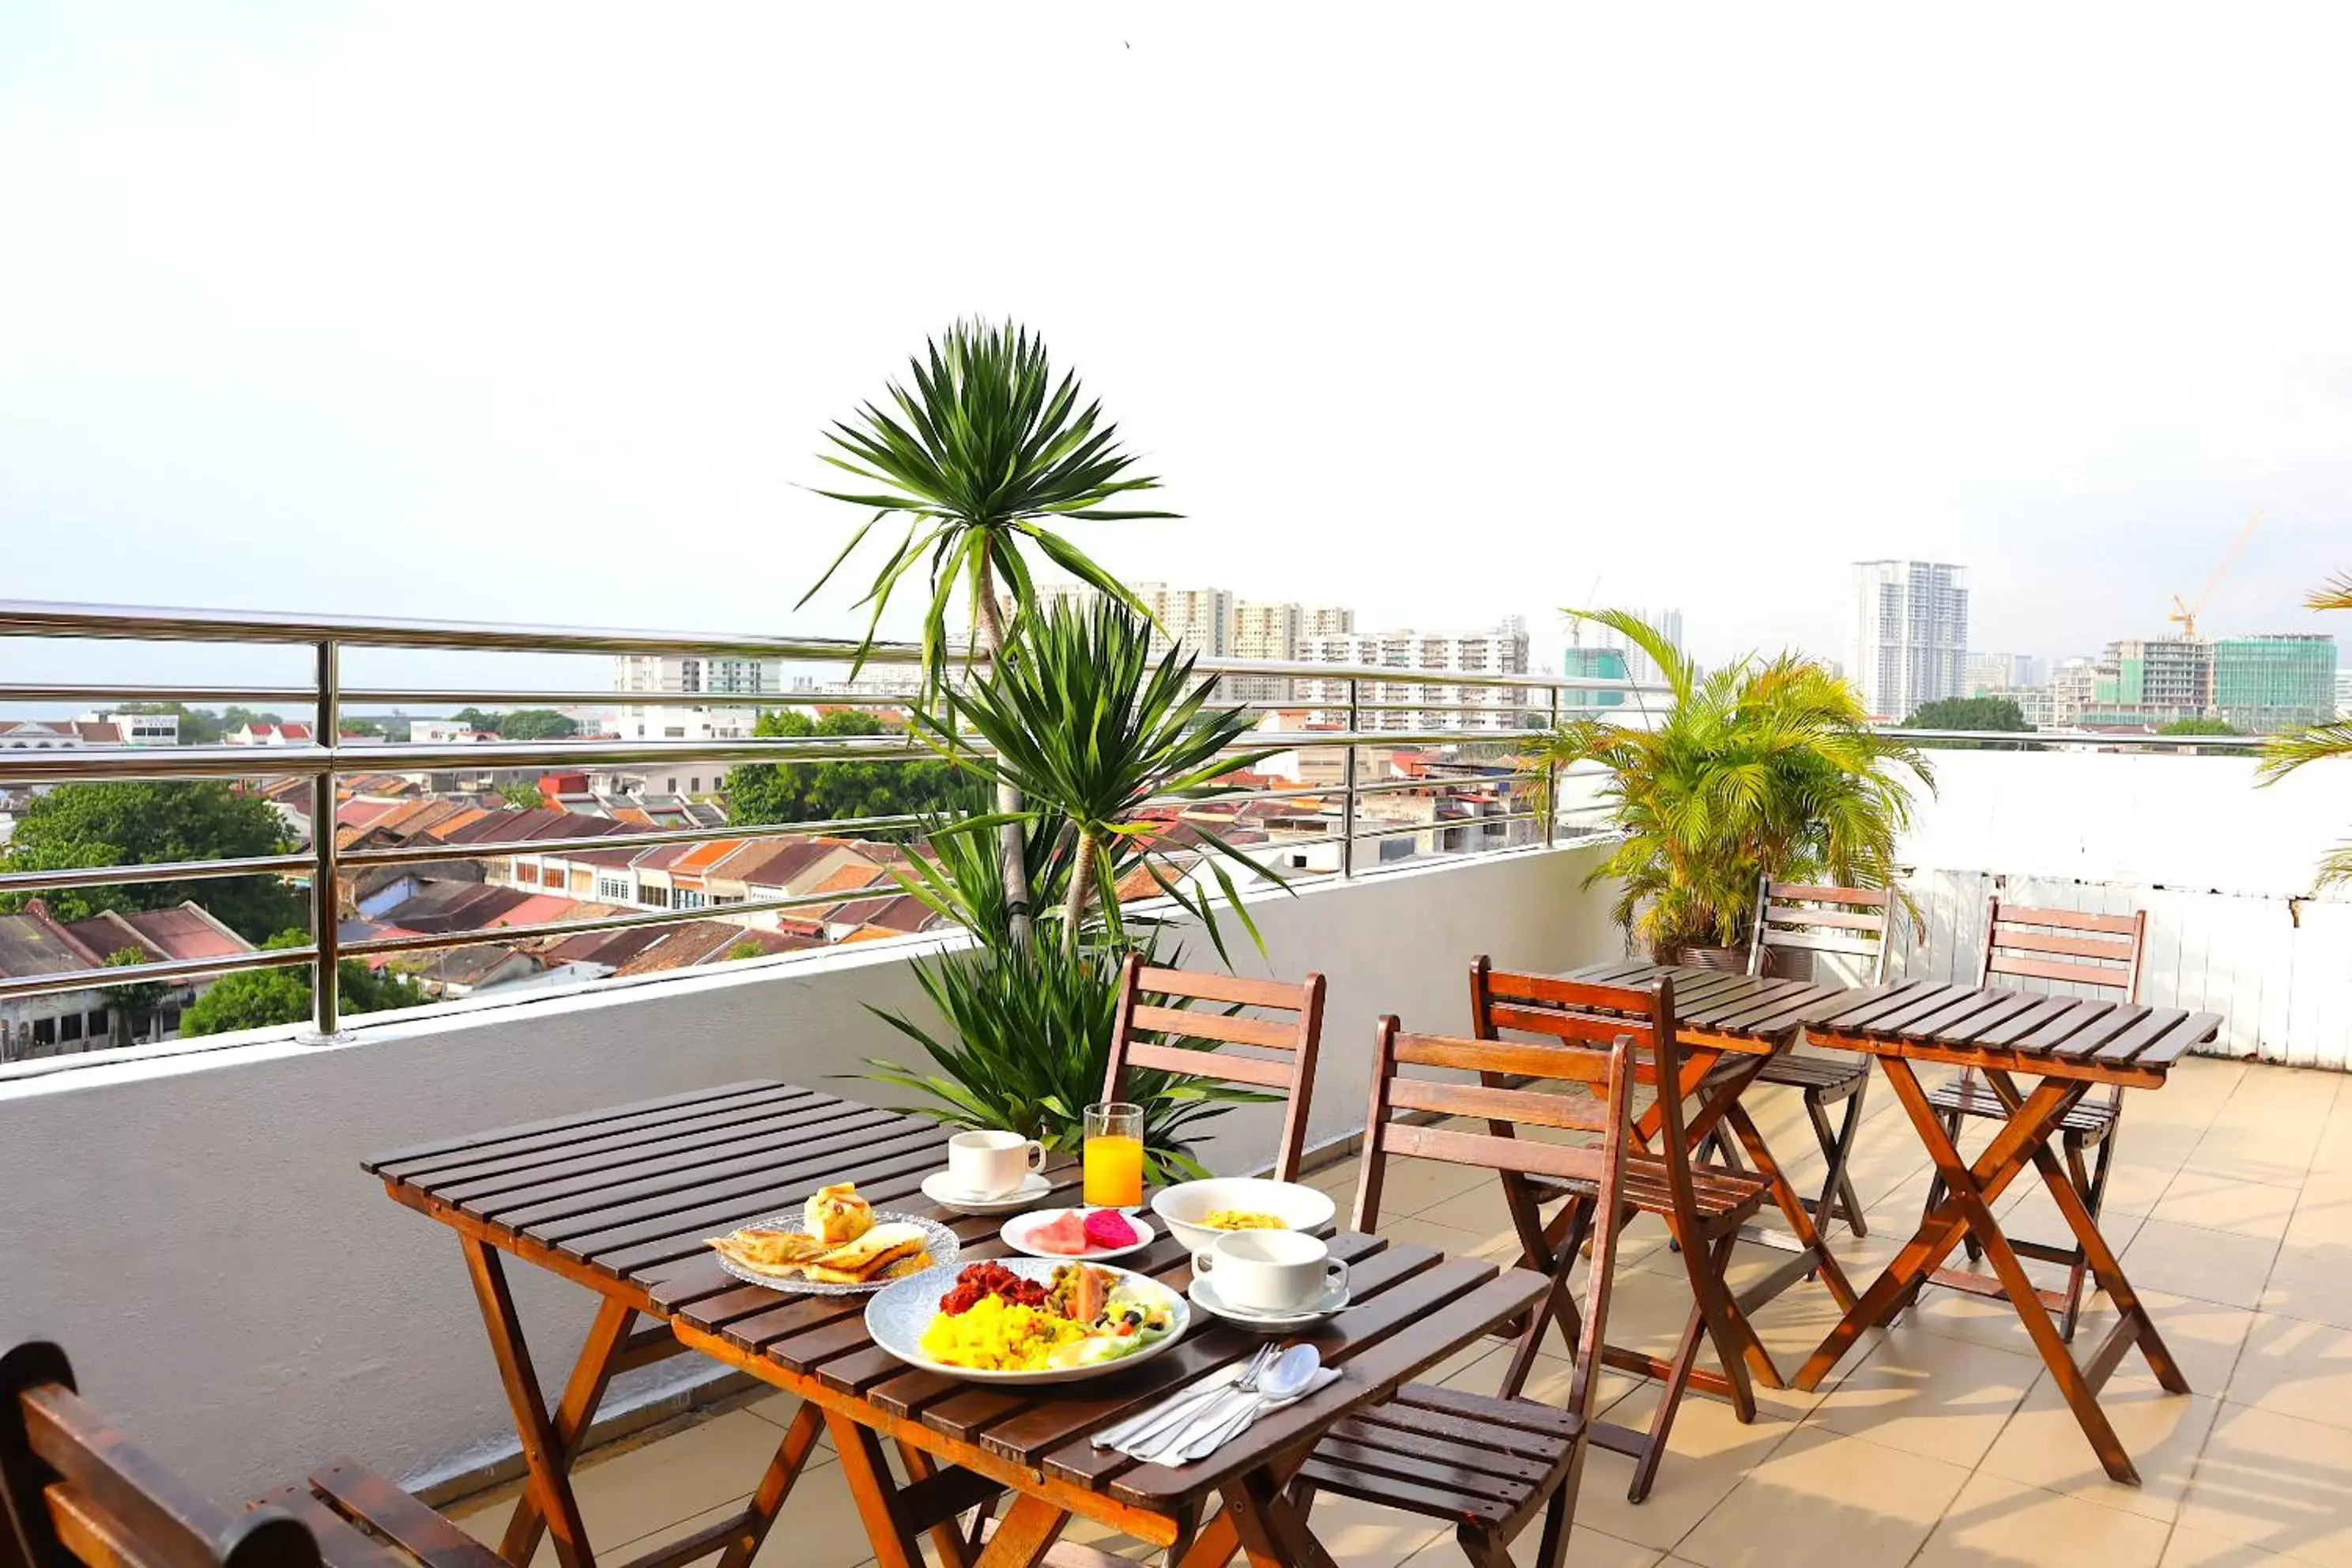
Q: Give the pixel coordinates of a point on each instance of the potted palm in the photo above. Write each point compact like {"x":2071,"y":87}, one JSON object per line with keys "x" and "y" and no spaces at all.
{"x":2317,"y":743}
{"x":1762,"y":766}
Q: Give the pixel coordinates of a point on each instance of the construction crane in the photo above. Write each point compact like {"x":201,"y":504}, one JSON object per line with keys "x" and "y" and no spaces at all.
{"x":2185,"y":615}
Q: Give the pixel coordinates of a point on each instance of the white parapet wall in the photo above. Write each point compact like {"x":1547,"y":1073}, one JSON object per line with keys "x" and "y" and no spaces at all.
{"x":197,"y":1231}
{"x":2224,"y":868}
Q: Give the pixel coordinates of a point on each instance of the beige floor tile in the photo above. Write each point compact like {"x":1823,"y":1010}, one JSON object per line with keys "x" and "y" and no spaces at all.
{"x":1929,"y":1394}
{"x":2312,"y":1276}
{"x":2194,"y":1549}
{"x":1999,"y":1520}
{"x":2274,"y":1482}
{"x":1409,"y":1186}
{"x":2204,"y":1337}
{"x":1585,"y":1549}
{"x":1706,"y":1455}
{"x":2189,"y":1260}
{"x":1499,"y":1247}
{"x":1480,"y":1208}
{"x":1365,"y":1535}
{"x":2296,"y":1368}
{"x":1820,"y":1498}
{"x":2043,"y":1445}
{"x":2274,"y":1154}
{"x":2224,"y":1203}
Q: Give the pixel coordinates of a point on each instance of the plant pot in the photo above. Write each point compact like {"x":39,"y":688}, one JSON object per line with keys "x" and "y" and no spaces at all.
{"x":1697,"y":955}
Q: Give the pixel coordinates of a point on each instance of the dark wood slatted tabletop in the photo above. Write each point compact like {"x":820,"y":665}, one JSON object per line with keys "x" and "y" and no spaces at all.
{"x":629,"y":1194}
{"x":2064,"y":1036}
{"x":1740,"y":1012}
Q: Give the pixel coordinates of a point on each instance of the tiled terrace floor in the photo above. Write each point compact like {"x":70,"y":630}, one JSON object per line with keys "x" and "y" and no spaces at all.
{"x":1940,"y":1442}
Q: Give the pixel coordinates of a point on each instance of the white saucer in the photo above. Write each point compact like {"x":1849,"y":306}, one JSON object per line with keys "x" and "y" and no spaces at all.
{"x":1016,"y":1237}
{"x":1203,"y":1295}
{"x":939,"y":1186}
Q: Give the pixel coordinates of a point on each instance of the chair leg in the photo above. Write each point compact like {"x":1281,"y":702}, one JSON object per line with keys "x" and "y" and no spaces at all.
{"x":1838,"y":1200}
{"x":1559,"y":1517}
{"x":1670,"y":1398}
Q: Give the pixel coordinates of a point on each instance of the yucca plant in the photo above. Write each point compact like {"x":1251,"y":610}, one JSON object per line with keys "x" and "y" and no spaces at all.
{"x":1759,"y":767}
{"x":1028,"y":1049}
{"x":2316,"y":742}
{"x":984,"y":452}
{"x":1083,"y":721}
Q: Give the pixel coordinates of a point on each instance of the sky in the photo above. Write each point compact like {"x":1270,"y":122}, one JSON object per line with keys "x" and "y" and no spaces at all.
{"x":538,"y":313}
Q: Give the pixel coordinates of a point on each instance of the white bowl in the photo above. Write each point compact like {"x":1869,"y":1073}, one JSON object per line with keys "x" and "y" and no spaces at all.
{"x":1184,"y":1205}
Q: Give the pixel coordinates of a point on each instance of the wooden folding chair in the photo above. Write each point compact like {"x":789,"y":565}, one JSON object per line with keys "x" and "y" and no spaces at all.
{"x":1702,"y":1206}
{"x":2101,"y":953}
{"x":1489,"y":1464}
{"x":1145,"y":1033}
{"x":1793,"y":918}
{"x":80,"y":1494}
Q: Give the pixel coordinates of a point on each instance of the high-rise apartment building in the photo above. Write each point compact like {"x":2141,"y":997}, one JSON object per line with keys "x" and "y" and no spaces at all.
{"x":2152,"y":681}
{"x":2263,"y":684}
{"x":1910,"y":635}
{"x":1201,"y":620}
{"x":692,"y":674}
{"x":1392,"y":704}
{"x":1275,"y":632}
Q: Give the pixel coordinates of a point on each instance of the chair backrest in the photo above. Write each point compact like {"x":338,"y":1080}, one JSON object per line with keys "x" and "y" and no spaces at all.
{"x":2064,"y":945}
{"x":80,"y":1494}
{"x":1146,"y":1033}
{"x":1794,"y":917}
{"x":1606,"y":1068}
{"x":1581,"y":1013}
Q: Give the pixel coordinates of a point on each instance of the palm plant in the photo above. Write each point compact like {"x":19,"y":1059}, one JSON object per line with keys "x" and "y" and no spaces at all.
{"x":984,"y":452}
{"x":2317,"y":743}
{"x":1082,"y":721}
{"x":1759,"y":767}
{"x":1029,"y":1048}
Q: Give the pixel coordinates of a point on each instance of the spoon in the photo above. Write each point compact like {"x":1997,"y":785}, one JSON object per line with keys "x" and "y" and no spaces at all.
{"x":1292,"y":1372}
{"x":1164,"y":1447}
{"x":1181,"y":1409}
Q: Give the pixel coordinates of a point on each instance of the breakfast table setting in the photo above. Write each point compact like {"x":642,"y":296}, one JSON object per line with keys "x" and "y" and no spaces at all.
{"x":1039,"y":1340}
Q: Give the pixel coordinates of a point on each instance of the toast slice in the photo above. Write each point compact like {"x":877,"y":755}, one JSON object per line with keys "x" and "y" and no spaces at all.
{"x":861,"y":1261}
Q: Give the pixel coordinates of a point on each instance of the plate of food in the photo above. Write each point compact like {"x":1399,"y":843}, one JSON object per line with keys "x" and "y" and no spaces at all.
{"x":1197,"y":1212}
{"x":836,"y":1245}
{"x":1091,"y":1235}
{"x":1026,"y":1319}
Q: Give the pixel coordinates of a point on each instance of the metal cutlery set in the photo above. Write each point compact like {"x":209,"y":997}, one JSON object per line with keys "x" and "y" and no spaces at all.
{"x":1196,"y":1422}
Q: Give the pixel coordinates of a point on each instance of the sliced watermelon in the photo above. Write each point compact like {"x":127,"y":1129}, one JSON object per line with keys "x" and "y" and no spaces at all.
{"x":1065,"y":1235}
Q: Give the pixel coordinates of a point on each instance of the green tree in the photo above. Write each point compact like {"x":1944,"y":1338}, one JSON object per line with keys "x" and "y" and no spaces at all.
{"x":1993,"y":715}
{"x":830,"y":791}
{"x":234,"y":718}
{"x":522,"y":797}
{"x":990,"y":451}
{"x":261,"y":998}
{"x":522,"y":724}
{"x":354,"y":726}
{"x":149,"y":823}
{"x":2197,"y":727}
{"x":129,"y":1007}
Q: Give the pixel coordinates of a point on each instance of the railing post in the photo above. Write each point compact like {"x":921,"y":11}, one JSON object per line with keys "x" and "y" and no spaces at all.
{"x":326,"y":976}
{"x":1347,"y":797}
{"x":1551,"y":781}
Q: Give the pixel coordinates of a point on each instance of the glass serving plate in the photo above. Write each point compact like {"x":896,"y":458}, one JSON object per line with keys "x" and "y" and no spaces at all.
{"x":937,"y":1240}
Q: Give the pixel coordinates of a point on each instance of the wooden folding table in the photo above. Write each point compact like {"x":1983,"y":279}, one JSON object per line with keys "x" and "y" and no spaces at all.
{"x":2071,"y":1046}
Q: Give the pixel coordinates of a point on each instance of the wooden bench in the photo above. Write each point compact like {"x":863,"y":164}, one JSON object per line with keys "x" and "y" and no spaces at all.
{"x":80,"y":1494}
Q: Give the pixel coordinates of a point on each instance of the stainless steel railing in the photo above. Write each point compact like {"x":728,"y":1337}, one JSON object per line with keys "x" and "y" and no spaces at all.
{"x":326,"y":759}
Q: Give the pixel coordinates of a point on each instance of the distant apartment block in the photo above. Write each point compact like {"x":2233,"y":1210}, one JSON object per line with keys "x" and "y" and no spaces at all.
{"x":1276,"y":632}
{"x":2258,"y":685}
{"x":1393,"y":704}
{"x":2000,"y":674}
{"x":1910,"y":635}
{"x":2277,"y":682}
{"x":2343,"y":693}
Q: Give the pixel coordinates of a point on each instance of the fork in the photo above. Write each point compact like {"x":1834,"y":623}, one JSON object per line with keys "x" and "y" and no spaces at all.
{"x":1241,"y":1394}
{"x":1180,"y":1410}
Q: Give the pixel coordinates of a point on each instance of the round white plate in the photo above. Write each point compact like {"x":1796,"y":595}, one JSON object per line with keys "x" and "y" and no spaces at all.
{"x":941,"y":1188}
{"x":900,"y":1312}
{"x":1016,"y":1237}
{"x":1203,"y":1295}
{"x":938,"y":1240}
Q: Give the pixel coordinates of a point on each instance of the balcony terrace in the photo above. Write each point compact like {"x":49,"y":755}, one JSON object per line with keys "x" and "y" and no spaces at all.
{"x":189,"y":1215}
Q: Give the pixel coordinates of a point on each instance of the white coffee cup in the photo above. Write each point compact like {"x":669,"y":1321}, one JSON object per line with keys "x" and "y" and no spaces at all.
{"x":1271,"y":1270}
{"x":992,"y":1164}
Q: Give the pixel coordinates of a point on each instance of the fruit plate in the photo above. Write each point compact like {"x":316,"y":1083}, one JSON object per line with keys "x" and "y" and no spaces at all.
{"x":1020,"y":1235}
{"x":938,"y":1240}
{"x":901,"y":1310}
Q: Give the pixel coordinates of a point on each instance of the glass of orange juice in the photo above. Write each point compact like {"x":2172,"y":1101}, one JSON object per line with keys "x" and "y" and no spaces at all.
{"x":1114,"y":1155}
